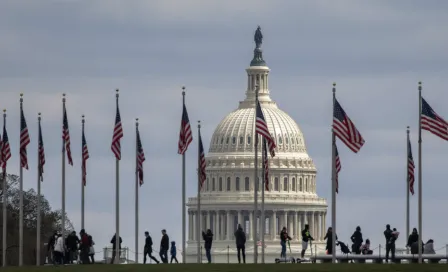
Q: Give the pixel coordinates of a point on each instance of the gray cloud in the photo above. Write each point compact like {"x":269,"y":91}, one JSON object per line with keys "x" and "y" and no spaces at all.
{"x":375,"y":51}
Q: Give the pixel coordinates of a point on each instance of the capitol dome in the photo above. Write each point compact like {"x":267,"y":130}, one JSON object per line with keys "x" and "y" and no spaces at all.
{"x":227,"y":197}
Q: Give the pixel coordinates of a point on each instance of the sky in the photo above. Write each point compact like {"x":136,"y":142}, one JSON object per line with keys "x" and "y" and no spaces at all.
{"x":376,"y":52}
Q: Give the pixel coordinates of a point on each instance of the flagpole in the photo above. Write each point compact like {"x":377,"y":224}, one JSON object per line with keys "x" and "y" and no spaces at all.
{"x":254,"y":225}
{"x":420,"y":212}
{"x":21,"y":193}
{"x":39,"y":173}
{"x":136,"y":190}
{"x":333,"y":184}
{"x":5,"y":199}
{"x":184,"y":224}
{"x":82,"y":177}
{"x":117,"y":203}
{"x":63,"y":173}
{"x":407,"y":188}
{"x":199,"y":217}
{"x":263,"y":188}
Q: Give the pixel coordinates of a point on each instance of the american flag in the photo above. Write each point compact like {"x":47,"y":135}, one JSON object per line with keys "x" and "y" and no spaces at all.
{"x":5,"y":150}
{"x":85,"y":157}
{"x":411,"y":168}
{"x":261,"y":128}
{"x":24,"y":140}
{"x":338,"y":166}
{"x":41,"y":154}
{"x":140,"y":158}
{"x":432,"y":122}
{"x":345,"y":130}
{"x":185,"y":135}
{"x":265,"y":165}
{"x":201,"y":163}
{"x":66,"y":137}
{"x":118,"y":134}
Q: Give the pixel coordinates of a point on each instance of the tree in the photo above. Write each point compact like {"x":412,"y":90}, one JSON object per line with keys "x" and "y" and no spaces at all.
{"x":50,"y":221}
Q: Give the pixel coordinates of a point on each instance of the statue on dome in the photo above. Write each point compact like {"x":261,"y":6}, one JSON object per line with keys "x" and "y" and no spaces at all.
{"x":258,"y":37}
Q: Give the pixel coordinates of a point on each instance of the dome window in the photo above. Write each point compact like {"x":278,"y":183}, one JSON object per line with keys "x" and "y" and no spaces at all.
{"x":300,"y":185}
{"x":228,"y":184}
{"x":237,"y":184}
{"x":280,"y":141}
{"x":285,"y":184}
{"x":286,"y":140}
{"x":233,"y":140}
{"x":276,"y":185}
{"x":241,"y":140}
{"x":220,"y":184}
{"x":213,"y":184}
{"x":222,"y":140}
{"x":248,"y":139}
{"x":293,"y":184}
{"x":246,"y":184}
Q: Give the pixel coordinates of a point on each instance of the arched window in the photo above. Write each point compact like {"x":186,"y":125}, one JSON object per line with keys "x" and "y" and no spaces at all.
{"x":227,"y":140}
{"x":300,"y":185}
{"x":276,"y":185}
{"x":222,"y":140}
{"x":241,"y":139}
{"x":246,"y":184}
{"x":286,"y":140}
{"x":220,"y":184}
{"x":213,"y":184}
{"x":306,"y":184}
{"x":293,"y":184}
{"x":228,"y":184}
{"x":285,"y":184}
{"x":233,"y":140}
{"x":237,"y":184}
{"x":248,"y":139}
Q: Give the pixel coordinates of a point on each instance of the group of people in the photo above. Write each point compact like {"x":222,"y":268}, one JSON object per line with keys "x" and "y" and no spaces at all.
{"x":65,"y":250}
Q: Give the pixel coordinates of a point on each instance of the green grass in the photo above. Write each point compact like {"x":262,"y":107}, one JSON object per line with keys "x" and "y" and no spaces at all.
{"x":236,"y":268}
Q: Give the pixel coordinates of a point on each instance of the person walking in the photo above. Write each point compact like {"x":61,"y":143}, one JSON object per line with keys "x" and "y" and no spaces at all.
{"x":173,"y":252}
{"x":284,"y":237}
{"x":147,"y":250}
{"x":112,"y":241}
{"x":240,"y":239}
{"x":164,"y":246}
{"x":208,"y":239}
{"x":329,"y":238}
{"x":91,"y":249}
{"x":59,"y":250}
{"x":306,"y":237}
{"x":84,"y":247}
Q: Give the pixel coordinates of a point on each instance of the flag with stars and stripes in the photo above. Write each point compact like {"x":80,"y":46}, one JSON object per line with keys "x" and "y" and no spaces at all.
{"x":201,"y":163}
{"x":261,"y":127}
{"x":338,"y":166}
{"x":140,"y":158}
{"x":432,"y":122}
{"x":66,"y":137}
{"x":345,"y":129}
{"x":5,"y":149}
{"x":117,"y":135}
{"x":411,"y":167}
{"x":24,"y":140}
{"x":185,"y":135}
{"x":265,"y":165}
{"x":41,"y":152}
{"x":85,"y":157}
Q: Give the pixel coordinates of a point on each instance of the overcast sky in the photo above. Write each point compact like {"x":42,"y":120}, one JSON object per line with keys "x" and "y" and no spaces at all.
{"x":376,"y":51}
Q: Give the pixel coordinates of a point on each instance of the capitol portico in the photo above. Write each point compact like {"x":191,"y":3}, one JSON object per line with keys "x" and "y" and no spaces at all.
{"x":227,"y":198}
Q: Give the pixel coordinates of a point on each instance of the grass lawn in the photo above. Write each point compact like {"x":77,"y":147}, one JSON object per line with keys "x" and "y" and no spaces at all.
{"x":236,"y":268}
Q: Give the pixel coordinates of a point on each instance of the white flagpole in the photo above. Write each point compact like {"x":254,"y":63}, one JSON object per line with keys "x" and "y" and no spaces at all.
{"x":39,"y":173}
{"x":199,"y":217}
{"x":117,"y":204}
{"x":136,"y":190}
{"x":184,"y":224}
{"x":21,"y":194}
{"x":254,"y":225}
{"x":82,"y":177}
{"x":63,"y":174}
{"x":407,"y":187}
{"x":5,"y":203}
{"x":333,"y":184}
{"x":420,"y":211}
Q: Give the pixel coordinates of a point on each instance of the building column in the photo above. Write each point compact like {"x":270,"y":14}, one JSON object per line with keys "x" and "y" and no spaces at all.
{"x":285,"y":224}
{"x":228,"y":225}
{"x":274,"y":225}
{"x":296,"y":232}
{"x":207,"y":218}
{"x":215,"y":223}
{"x":322,"y":226}
{"x":290,"y":227}
{"x":311,"y":216}
{"x":240,"y":218}
{"x":190,"y":225}
{"x":299,"y":224}
{"x":251,"y":227}
{"x":316,"y":226}
{"x":223,"y":227}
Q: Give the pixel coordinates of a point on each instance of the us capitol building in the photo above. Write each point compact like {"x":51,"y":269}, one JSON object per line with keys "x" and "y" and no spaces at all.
{"x":227,"y":198}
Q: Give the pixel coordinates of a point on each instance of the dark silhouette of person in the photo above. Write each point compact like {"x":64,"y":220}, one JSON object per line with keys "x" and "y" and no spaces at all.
{"x":112,"y":241}
{"x":284,"y":237}
{"x":413,"y":241}
{"x":164,"y":247}
{"x":72,"y":242}
{"x":173,"y":252}
{"x":306,"y":237}
{"x":147,"y":250}
{"x":208,"y":239}
{"x":240,"y":239}
{"x":329,"y":238}
{"x":357,"y":240}
{"x":393,"y":238}
{"x":388,"y":235}
{"x":84,"y":247}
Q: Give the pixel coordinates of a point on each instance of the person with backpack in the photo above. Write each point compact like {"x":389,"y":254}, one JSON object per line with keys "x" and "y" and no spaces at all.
{"x":306,"y":237}
{"x":240,"y":239}
{"x":357,"y":240}
{"x":208,"y":239}
{"x":147,"y":250}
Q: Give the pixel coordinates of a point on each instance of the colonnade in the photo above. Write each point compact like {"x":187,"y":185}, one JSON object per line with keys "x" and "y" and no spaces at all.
{"x":223,"y":223}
